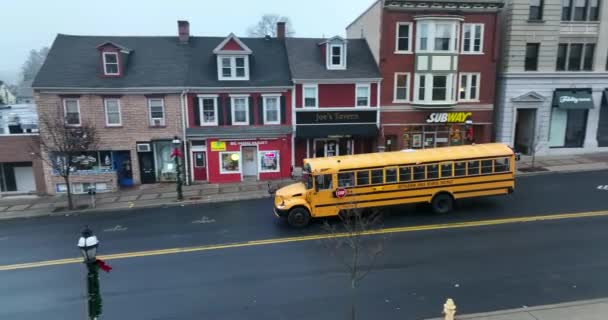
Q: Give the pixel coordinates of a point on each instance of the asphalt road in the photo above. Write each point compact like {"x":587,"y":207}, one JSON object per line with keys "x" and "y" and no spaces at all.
{"x":482,"y":268}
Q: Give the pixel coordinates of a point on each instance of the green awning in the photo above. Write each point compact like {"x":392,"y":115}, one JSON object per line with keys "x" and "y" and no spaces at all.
{"x":573,"y":99}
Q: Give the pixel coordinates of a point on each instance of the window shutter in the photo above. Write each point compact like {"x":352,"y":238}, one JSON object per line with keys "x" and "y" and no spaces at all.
{"x":197,"y":112}
{"x":228,"y":111}
{"x":251,"y":111}
{"x":283,"y":111}
{"x":260,"y":110}
{"x":220,"y":110}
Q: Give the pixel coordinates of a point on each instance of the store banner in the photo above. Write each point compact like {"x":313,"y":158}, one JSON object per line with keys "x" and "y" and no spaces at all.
{"x":449,"y":117}
{"x":218,"y":146}
{"x":573,"y":99}
{"x":331,"y":117}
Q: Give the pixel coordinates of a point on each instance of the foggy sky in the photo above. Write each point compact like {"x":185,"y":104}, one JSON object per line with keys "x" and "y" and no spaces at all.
{"x":32,"y":24}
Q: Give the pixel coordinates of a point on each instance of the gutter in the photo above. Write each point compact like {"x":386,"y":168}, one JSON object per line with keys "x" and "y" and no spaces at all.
{"x":184,"y":122}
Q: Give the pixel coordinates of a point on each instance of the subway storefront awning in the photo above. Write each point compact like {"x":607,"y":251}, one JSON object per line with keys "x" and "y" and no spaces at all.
{"x":573,"y":99}
{"x":322,"y":131}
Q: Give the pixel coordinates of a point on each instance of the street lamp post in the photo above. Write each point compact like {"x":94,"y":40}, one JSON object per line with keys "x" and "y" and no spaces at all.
{"x":88,"y":246}
{"x":177,"y":143}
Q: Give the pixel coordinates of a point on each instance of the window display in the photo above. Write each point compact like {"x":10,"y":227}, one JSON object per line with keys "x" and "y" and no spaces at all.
{"x":230,"y":162}
{"x":269,"y":161}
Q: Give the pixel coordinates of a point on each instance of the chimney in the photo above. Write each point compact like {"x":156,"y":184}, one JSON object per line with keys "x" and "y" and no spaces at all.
{"x":281,"y":30}
{"x":183,"y":31}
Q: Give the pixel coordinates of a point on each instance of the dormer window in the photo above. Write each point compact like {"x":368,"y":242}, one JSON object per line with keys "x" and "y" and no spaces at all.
{"x":335,"y":53}
{"x":232,"y":59}
{"x":110,"y":63}
{"x":233,"y":67}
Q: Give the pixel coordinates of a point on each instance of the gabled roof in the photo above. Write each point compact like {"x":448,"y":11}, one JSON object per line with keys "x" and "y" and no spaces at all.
{"x":110,"y":43}
{"x":332,"y":39}
{"x":529,"y":97}
{"x":224,"y":46}
{"x":306,"y":60}
{"x":73,"y":62}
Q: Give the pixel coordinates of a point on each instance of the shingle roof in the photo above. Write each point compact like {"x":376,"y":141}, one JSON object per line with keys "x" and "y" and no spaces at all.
{"x":306,"y":60}
{"x":73,"y":61}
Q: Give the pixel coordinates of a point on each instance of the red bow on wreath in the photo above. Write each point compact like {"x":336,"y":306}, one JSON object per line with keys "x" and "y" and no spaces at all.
{"x":176,"y":153}
{"x":103,"y":266}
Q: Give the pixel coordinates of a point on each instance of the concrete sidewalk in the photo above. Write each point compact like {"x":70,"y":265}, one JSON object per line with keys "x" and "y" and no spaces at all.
{"x":158,"y":195}
{"x":579,"y":310}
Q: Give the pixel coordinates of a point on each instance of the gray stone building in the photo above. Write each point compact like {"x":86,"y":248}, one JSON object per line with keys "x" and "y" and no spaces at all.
{"x":553,"y":78}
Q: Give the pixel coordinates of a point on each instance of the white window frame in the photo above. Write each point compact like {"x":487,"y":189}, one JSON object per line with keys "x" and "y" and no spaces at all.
{"x":202,"y":97}
{"x":162,"y":122}
{"x":222,"y":171}
{"x":472,"y":42}
{"x":233,"y":75}
{"x":468,"y":76}
{"x":369,"y":94}
{"x":330,"y":63}
{"x":233,"y":97}
{"x":277,"y":97}
{"x":310,"y":86}
{"x":260,"y":153}
{"x":431,"y":28}
{"x":105,"y":63}
{"x":105,"y":105}
{"x":409,"y":38}
{"x":65,"y":112}
{"x":408,"y":87}
{"x":428,"y":89}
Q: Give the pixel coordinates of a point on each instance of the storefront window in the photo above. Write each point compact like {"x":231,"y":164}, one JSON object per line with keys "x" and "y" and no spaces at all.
{"x":230,"y":162}
{"x":567,"y":128}
{"x":269,"y":161}
{"x":602,"y":128}
{"x":100,"y":161}
{"x":432,"y":136}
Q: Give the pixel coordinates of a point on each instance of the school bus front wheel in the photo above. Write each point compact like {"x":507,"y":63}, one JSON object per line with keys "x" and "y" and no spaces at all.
{"x":298,"y":217}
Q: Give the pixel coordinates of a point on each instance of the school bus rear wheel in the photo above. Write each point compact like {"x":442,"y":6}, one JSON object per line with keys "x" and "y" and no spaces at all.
{"x":298,"y":217}
{"x":442,"y":203}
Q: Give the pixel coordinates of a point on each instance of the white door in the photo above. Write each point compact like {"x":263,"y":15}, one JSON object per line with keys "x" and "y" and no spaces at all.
{"x":250,"y":167}
{"x":24,"y":176}
{"x":331,"y":148}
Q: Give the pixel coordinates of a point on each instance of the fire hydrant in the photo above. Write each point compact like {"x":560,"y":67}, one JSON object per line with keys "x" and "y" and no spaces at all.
{"x":449,"y":309}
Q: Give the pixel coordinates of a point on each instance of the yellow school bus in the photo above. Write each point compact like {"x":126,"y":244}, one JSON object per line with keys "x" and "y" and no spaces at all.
{"x":437,"y":176}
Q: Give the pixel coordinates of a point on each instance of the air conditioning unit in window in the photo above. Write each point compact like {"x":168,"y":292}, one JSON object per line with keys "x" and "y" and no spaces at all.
{"x":143,"y":147}
{"x":158,"y":122}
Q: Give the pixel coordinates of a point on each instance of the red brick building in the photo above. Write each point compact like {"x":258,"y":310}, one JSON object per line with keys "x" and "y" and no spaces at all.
{"x":438,"y":64}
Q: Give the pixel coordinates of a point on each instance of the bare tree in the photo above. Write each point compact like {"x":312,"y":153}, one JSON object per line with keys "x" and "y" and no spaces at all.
{"x":267,"y":26}
{"x":534,"y":148}
{"x":63,"y":146}
{"x":357,"y":251}
{"x":32,"y":64}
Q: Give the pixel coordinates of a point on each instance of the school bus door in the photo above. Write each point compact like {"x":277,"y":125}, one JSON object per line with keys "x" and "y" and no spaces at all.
{"x":323,"y":201}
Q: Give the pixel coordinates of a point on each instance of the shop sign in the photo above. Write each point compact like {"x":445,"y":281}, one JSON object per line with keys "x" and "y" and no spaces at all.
{"x":269,"y":155}
{"x":316,"y":117}
{"x":571,"y":99}
{"x":218,"y":146}
{"x":449,"y":117}
{"x":248,"y":143}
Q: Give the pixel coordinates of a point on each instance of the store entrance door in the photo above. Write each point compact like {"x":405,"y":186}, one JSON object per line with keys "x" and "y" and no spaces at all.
{"x":250,"y":168}
{"x":429,"y":139}
{"x":326,"y":148}
{"x":524,"y":130}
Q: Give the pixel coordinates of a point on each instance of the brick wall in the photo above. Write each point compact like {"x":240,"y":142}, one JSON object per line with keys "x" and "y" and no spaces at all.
{"x":135,"y":124}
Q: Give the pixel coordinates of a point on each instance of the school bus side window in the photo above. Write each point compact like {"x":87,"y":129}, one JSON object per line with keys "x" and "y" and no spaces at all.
{"x":432,"y":171}
{"x":460,"y":169}
{"x":362,"y":178}
{"x":446,"y":170}
{"x":419,"y":173}
{"x":346,"y":179}
{"x":377,"y":176}
{"x":486,"y":166}
{"x":501,"y":165}
{"x":473,"y":168}
{"x":405,"y":174}
{"x":391,"y":175}
{"x":323,"y":182}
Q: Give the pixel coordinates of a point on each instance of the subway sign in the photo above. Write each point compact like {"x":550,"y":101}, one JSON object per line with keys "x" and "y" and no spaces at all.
{"x":449,"y":117}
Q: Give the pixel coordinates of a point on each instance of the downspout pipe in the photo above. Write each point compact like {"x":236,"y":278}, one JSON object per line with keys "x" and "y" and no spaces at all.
{"x":183,"y":103}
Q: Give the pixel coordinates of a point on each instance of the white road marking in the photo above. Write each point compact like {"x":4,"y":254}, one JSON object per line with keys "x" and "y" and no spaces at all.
{"x":204,"y":219}
{"x":116,"y":228}
{"x":604,"y":187}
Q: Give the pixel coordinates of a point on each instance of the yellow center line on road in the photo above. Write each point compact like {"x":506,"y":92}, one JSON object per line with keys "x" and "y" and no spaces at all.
{"x":252,"y":243}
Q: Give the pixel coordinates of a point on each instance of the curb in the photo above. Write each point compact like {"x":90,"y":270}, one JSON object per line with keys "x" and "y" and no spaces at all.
{"x":527,"y":174}
{"x":565,"y":305}
{"x":33,"y":214}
